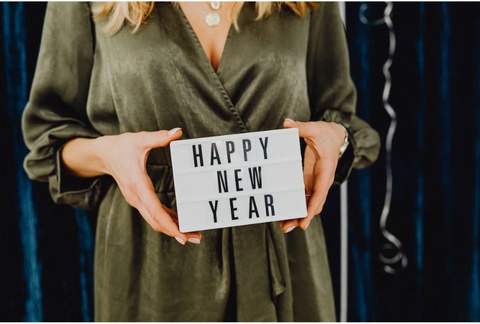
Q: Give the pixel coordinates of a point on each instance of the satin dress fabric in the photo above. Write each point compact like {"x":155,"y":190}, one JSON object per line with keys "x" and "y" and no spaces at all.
{"x":89,"y":84}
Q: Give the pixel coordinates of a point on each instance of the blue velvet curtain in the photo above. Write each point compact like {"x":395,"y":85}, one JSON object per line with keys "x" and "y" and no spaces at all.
{"x":435,"y":163}
{"x":46,"y":250}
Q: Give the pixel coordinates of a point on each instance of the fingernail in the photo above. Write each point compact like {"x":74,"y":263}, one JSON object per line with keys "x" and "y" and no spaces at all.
{"x":290,"y":120}
{"x":194,"y":240}
{"x":307,"y":225}
{"x":289,"y":229}
{"x":173,"y":131}
{"x":180,"y":240}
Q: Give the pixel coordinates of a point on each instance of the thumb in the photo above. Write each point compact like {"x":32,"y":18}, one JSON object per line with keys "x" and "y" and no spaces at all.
{"x":162,"y":138}
{"x":301,"y":126}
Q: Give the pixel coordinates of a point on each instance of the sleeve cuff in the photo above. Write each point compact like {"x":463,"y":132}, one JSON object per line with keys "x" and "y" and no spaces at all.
{"x":364,"y":143}
{"x":347,"y":161}
{"x":78,"y":192}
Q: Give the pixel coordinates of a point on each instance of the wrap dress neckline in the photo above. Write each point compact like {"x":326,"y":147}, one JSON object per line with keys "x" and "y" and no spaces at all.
{"x":204,"y":63}
{"x":196,"y":40}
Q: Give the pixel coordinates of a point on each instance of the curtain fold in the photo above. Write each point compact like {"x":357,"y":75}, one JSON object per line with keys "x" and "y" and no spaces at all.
{"x":46,"y":250}
{"x":14,"y":41}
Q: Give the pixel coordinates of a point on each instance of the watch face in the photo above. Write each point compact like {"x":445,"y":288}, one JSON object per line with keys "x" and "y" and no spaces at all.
{"x":345,"y":142}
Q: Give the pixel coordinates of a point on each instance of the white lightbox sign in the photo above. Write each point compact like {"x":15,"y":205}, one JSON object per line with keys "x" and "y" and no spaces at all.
{"x":240,"y":179}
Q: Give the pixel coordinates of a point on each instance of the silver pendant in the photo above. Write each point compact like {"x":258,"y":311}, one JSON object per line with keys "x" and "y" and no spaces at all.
{"x":215,"y":5}
{"x":212,"y":19}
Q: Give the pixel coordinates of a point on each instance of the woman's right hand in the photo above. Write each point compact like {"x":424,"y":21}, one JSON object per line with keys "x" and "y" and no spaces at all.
{"x":124,"y":157}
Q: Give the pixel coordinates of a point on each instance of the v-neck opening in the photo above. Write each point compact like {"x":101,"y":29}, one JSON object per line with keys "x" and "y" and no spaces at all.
{"x":199,"y":44}
{"x":215,"y":75}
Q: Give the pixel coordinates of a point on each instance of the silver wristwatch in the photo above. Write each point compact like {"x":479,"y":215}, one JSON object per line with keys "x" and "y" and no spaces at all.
{"x":344,"y":146}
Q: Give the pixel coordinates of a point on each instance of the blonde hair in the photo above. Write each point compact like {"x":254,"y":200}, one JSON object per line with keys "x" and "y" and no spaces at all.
{"x":136,"y":13}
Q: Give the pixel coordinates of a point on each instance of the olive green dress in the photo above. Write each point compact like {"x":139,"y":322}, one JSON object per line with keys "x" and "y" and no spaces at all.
{"x":88,"y":84}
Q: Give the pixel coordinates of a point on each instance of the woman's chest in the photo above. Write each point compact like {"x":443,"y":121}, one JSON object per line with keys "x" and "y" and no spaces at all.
{"x":211,"y":23}
{"x":162,"y":72}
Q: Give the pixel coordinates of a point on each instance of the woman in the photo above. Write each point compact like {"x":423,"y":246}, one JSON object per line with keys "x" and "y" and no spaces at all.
{"x":102,"y":100}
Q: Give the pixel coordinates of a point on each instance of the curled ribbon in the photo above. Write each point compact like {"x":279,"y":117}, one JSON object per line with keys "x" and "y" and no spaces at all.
{"x":394,"y":243}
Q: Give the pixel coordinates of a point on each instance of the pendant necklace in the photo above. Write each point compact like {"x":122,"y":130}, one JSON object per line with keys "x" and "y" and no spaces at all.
{"x":213,"y":18}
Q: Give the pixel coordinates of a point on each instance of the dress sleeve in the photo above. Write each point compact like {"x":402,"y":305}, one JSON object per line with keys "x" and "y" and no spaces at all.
{"x":56,"y":110}
{"x":331,"y":91}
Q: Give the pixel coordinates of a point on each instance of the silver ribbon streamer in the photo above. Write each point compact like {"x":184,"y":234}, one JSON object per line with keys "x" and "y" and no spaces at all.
{"x":393,"y":244}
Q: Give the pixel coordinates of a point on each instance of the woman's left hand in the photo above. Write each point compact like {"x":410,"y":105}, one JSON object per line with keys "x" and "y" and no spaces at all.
{"x":323,"y":141}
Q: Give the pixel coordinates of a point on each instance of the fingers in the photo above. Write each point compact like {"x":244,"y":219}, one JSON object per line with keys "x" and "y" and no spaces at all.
{"x":323,"y":181}
{"x":290,"y":225}
{"x":308,"y":175}
{"x":308,"y":178}
{"x":162,"y":219}
{"x":320,"y":162}
{"x":161,"y":138}
{"x":136,"y":186}
{"x":172,"y":213}
{"x":308,"y":172}
{"x":303,"y":130}
{"x":193,"y":237}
